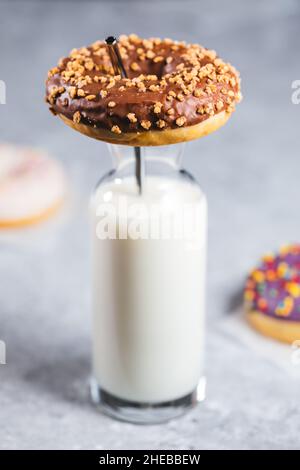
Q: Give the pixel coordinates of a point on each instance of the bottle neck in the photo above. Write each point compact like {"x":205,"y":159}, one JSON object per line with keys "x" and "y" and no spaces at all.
{"x":162,"y":160}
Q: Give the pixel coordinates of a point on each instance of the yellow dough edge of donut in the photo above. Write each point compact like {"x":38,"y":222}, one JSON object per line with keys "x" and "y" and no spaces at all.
{"x":152,"y":138}
{"x":34,"y":219}
{"x":281,"y":330}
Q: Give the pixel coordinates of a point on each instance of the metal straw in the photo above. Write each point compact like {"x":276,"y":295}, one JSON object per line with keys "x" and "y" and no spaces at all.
{"x":119,"y":69}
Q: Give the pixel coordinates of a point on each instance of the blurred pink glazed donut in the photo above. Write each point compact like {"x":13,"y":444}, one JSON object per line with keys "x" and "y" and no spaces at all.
{"x":32,"y":185}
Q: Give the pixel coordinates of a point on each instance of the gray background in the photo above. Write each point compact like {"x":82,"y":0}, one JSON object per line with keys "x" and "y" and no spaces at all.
{"x":250,"y":172}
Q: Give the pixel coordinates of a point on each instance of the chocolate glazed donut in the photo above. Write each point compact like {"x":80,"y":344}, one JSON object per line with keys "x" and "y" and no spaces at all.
{"x":174,"y":92}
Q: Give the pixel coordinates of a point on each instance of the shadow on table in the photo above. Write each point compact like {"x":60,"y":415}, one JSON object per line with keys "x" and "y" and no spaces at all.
{"x":235,"y":300}
{"x":66,"y":377}
{"x":58,"y":369}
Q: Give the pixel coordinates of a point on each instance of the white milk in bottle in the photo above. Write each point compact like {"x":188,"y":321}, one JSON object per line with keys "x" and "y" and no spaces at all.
{"x":149,"y":253}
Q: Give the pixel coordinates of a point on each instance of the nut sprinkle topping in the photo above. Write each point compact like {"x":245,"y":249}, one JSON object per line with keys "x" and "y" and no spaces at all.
{"x":170,"y":84}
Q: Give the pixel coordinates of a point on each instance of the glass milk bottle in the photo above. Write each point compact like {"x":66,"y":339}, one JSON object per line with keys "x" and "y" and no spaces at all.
{"x":148,"y":256}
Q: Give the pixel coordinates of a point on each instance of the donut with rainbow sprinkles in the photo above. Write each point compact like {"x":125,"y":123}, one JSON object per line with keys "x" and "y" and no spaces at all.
{"x":272,"y":295}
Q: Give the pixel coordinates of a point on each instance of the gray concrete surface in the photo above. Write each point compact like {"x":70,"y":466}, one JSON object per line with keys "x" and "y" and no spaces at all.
{"x":250,"y":172}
